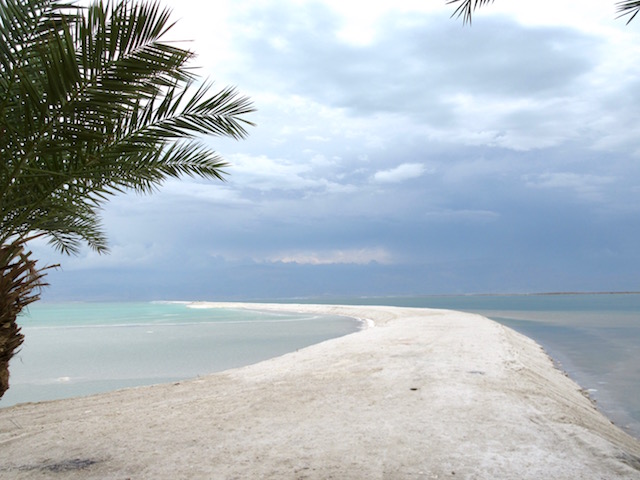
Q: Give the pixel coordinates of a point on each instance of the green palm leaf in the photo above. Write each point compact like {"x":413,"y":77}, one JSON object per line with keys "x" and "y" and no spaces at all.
{"x":628,"y":7}
{"x":466,"y":8}
{"x":93,"y":103}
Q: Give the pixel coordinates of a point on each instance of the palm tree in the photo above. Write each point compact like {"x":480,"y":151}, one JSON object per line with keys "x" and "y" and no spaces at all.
{"x":466,"y":8}
{"x":92,"y":103}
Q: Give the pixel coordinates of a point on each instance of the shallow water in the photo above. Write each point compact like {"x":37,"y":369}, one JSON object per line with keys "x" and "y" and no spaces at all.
{"x":80,"y":349}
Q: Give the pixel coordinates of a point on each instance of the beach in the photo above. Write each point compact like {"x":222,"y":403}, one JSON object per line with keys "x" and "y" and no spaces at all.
{"x":420,"y":394}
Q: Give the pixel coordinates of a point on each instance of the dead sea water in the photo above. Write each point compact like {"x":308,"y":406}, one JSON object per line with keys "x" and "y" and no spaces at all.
{"x":76,"y":349}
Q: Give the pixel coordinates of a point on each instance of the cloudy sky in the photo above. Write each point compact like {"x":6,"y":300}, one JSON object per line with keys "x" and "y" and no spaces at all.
{"x":396,"y":152}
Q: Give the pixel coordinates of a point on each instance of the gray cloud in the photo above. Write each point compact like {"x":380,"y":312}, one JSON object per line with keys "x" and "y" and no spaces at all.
{"x":435,"y":159}
{"x":415,"y":66}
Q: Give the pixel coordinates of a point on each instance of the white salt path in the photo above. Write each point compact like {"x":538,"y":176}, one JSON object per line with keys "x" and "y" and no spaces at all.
{"x":423,"y":394}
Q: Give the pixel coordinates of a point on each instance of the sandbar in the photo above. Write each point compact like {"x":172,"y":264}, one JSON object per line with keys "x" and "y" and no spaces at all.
{"x":420,"y":394}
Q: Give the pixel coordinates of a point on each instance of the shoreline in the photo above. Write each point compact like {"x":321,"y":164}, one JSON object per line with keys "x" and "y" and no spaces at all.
{"x":426,"y":393}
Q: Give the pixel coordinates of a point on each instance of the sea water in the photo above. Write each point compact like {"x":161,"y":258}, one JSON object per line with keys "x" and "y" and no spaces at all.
{"x":594,"y":338}
{"x":85,"y":348}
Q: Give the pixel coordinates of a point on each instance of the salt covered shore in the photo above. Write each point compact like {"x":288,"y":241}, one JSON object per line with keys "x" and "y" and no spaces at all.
{"x":423,"y":394}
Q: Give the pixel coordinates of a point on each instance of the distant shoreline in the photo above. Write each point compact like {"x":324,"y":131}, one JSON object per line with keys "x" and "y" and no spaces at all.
{"x":532,"y":294}
{"x":527,"y":294}
{"x":434,"y":295}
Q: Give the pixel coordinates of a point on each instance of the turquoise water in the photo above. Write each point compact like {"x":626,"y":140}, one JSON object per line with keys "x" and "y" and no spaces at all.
{"x":85,"y":348}
{"x":595,"y":338}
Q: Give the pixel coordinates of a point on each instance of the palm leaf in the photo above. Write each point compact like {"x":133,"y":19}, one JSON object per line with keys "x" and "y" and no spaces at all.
{"x":466,"y":8}
{"x":92,"y":104}
{"x":628,"y":7}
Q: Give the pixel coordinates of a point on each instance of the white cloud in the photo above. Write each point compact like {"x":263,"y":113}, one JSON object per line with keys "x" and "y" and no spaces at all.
{"x":361,"y":256}
{"x":309,"y":175}
{"x":217,"y":192}
{"x":401,"y":173}
{"x":585,"y":185}
{"x":119,"y":256}
{"x":264,"y":173}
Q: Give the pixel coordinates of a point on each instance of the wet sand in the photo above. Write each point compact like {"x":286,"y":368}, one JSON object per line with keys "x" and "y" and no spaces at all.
{"x":422,"y":394}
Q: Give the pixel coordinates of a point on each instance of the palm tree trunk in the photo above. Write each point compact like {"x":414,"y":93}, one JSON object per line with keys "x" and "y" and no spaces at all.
{"x":20,"y":283}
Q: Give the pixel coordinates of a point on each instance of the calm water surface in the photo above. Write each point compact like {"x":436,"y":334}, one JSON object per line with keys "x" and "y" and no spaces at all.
{"x":85,"y":348}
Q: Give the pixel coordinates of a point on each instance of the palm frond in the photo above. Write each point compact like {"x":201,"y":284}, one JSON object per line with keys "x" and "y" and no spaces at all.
{"x":466,"y":8}
{"x":93,"y":103}
{"x":628,"y":7}
{"x":218,"y":115}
